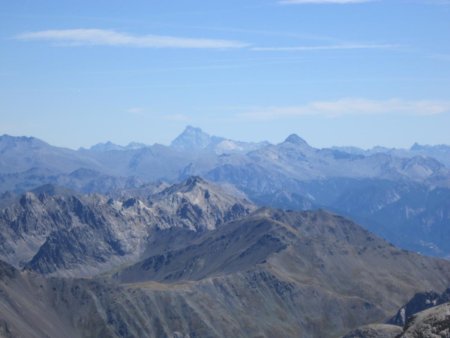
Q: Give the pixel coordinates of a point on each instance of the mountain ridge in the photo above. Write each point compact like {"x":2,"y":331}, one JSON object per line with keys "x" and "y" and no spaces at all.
{"x":299,"y":288}
{"x":54,"y":230}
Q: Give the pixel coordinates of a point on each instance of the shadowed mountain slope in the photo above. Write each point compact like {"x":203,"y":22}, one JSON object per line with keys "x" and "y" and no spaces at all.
{"x":312,"y":265}
{"x":268,"y":274}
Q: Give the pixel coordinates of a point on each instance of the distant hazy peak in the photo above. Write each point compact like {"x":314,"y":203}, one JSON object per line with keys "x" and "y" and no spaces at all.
{"x":196,"y":140}
{"x":295,"y":139}
{"x":194,"y":130}
{"x":191,"y":138}
{"x":106,"y":146}
{"x":11,"y":140}
{"x":416,"y":146}
{"x":21,"y":138}
{"x":136,"y":145}
{"x":425,"y":147}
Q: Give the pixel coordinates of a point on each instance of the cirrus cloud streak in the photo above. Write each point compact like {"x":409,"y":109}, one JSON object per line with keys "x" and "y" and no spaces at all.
{"x":351,"y":106}
{"x":324,"y":47}
{"x":102,"y":37}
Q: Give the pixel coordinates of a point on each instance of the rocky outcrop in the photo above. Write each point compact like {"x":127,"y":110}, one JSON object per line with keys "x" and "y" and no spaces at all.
{"x":375,"y":331}
{"x":426,"y":315}
{"x":431,"y":323}
{"x":420,"y":302}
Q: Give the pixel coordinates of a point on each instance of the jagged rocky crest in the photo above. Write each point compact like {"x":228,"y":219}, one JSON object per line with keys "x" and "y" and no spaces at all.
{"x":53,"y":230}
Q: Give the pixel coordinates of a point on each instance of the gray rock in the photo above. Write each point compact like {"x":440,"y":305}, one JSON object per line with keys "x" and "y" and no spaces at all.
{"x":375,"y":331}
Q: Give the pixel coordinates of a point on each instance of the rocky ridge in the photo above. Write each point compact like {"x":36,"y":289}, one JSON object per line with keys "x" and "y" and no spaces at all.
{"x":60,"y":231}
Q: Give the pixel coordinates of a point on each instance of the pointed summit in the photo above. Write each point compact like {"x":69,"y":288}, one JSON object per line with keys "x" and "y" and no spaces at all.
{"x":295,"y":139}
{"x":107,"y":146}
{"x":194,"y":180}
{"x":196,"y":140}
{"x":200,"y":204}
{"x":191,"y":138}
{"x":417,"y":147}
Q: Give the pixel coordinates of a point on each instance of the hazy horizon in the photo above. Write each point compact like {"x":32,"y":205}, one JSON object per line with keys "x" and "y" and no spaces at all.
{"x":224,"y":136}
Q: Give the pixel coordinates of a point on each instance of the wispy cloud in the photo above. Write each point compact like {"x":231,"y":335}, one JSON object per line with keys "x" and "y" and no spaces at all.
{"x":351,"y":106}
{"x":324,"y":47}
{"x":135,"y":110}
{"x":262,"y":32}
{"x":302,"y":2}
{"x":139,"y":111}
{"x":102,"y":37}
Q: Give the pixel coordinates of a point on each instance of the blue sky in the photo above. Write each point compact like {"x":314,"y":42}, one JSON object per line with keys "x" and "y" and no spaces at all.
{"x":336,"y":72}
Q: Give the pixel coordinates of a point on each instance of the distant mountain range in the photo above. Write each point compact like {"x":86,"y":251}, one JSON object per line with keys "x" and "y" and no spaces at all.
{"x":197,"y":150}
{"x":402,"y":195}
{"x":440,"y":152}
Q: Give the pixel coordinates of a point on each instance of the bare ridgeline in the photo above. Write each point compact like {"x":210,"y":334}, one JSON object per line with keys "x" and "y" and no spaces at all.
{"x":211,"y":237}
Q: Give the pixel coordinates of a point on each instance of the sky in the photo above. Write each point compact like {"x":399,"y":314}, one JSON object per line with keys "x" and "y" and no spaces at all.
{"x":335,"y":72}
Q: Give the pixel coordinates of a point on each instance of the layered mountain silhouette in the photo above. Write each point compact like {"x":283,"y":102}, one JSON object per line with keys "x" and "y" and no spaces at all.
{"x":401,"y":195}
{"x":440,"y":152}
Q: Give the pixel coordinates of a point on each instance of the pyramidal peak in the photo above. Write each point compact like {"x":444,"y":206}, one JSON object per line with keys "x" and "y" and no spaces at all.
{"x":193,"y":130}
{"x":191,"y":138}
{"x":295,"y":139}
{"x":196,"y":140}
